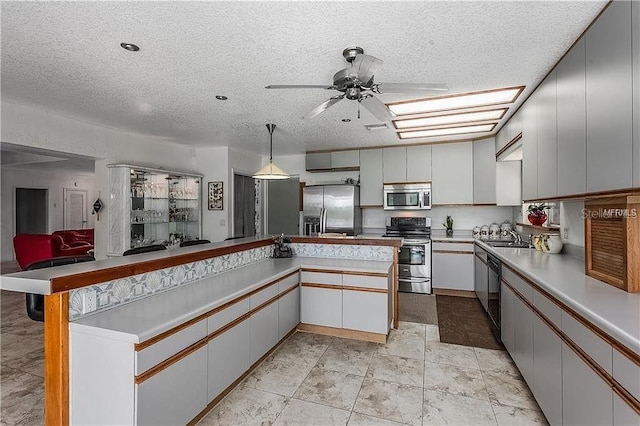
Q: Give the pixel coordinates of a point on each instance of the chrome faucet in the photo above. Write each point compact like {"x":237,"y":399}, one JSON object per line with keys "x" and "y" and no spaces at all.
{"x":516,"y":236}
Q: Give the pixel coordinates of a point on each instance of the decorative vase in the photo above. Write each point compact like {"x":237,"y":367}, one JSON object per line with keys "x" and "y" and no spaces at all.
{"x":449,"y":232}
{"x":537,"y":219}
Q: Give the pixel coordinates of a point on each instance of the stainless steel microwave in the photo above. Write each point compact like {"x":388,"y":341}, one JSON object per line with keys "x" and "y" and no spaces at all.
{"x":407,"y":196}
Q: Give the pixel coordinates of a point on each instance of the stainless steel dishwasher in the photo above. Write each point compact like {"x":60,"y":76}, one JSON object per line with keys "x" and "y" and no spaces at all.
{"x":493,"y":292}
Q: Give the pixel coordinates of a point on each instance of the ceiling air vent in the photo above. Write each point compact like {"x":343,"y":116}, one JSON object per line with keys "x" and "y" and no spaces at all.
{"x":378,"y":126}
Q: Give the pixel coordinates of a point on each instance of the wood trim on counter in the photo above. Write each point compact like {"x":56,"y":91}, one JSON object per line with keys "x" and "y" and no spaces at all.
{"x":445,"y":241}
{"x":394,"y":242}
{"x":56,"y":359}
{"x":629,"y":399}
{"x":155,"y":339}
{"x":452,"y":251}
{"x":628,"y":353}
{"x":324,"y":286}
{"x":366,"y":274}
{"x":70,"y":282}
{"x":366,"y":336}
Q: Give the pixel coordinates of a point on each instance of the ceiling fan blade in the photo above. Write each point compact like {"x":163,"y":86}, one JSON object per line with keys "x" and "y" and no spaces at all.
{"x":423,"y":88}
{"x":323,"y":106}
{"x":376,"y":107}
{"x":366,"y":66}
{"x":298,"y":86}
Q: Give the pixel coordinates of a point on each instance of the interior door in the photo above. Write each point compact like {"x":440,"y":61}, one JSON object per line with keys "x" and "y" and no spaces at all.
{"x":75,"y":208}
{"x":31,"y":211}
{"x":283,"y":207}
{"x":244,"y":206}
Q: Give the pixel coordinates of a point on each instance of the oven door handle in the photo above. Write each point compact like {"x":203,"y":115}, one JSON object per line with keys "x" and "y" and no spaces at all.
{"x":414,"y":280}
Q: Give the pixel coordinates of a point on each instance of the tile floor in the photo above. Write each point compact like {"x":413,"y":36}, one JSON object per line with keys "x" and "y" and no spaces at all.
{"x":413,"y":380}
{"x":317,"y":380}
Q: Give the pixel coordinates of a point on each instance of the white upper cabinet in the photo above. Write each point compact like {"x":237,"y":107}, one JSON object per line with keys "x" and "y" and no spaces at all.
{"x":345,"y":159}
{"x":547,"y":138}
{"x":508,"y":182}
{"x":503,"y":137}
{"x":572,"y":122}
{"x":419,"y":163}
{"x":609,"y":93}
{"x":318,"y":161}
{"x":452,"y":172}
{"x":394,"y":164}
{"x":529,"y":149}
{"x":484,"y":171}
{"x":371,"y":177}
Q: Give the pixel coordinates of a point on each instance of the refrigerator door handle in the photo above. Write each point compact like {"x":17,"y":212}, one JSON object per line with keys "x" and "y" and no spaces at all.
{"x":323,"y":220}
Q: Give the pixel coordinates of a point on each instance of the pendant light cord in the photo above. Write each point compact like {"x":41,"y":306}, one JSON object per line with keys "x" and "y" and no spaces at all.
{"x":271,"y":127}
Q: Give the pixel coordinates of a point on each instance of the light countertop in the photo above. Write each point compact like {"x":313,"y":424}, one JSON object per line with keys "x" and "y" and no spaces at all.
{"x":615,"y":311}
{"x":138,"y":321}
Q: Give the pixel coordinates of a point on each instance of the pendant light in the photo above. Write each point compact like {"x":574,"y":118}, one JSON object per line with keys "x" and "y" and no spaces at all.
{"x":270,"y":171}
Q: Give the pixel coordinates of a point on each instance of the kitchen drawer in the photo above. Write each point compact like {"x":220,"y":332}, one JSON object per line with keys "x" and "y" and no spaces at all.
{"x":518,"y":283}
{"x":166,"y":348}
{"x":287,"y":283}
{"x":548,"y":308}
{"x":627,"y":373}
{"x":321,"y":278}
{"x":594,"y":346}
{"x":225,"y":316}
{"x":349,"y":280}
{"x":462,"y":246}
{"x":262,"y":296}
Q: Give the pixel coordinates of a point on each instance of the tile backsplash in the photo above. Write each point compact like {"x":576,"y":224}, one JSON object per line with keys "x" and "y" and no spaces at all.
{"x":126,"y":290}
{"x":344,"y":251}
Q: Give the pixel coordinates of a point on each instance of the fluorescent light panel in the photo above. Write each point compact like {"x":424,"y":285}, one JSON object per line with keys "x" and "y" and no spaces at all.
{"x":465,"y":117}
{"x":445,"y":132}
{"x":459,"y":101}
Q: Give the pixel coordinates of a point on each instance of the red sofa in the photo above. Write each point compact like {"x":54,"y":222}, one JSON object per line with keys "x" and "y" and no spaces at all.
{"x":71,"y":236}
{"x":31,"y":248}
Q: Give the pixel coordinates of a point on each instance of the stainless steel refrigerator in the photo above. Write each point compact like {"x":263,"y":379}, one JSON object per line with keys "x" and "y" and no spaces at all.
{"x":332,"y":208}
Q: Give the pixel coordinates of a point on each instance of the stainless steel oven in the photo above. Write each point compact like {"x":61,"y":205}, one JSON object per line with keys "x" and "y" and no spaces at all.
{"x":410,"y":196}
{"x":414,"y":266}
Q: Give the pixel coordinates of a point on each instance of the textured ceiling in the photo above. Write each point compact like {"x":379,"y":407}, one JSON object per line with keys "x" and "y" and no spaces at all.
{"x":66,"y":57}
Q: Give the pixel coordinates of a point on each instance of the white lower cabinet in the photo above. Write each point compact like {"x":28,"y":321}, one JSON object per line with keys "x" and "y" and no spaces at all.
{"x":547,"y":371}
{"x":321,"y":306}
{"x":288,"y":312}
{"x":228,"y":357}
{"x":523,"y":340}
{"x":364,"y":311}
{"x":623,"y":415}
{"x":507,"y":318}
{"x":264,"y":331}
{"x":453,"y":270}
{"x":586,"y":398}
{"x":176,"y":394}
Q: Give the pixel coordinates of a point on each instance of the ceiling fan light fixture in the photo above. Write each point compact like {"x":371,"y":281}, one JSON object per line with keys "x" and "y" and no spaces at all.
{"x":271,"y":171}
{"x":500,"y":96}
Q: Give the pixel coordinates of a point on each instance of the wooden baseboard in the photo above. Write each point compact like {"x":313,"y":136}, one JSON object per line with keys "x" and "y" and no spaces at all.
{"x":344,"y":333}
{"x":457,"y":293}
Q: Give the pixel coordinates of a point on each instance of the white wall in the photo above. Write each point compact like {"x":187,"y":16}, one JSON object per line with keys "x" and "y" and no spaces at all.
{"x":55,"y":183}
{"x":212,"y":163}
{"x":572,"y":223}
{"x":39,"y":128}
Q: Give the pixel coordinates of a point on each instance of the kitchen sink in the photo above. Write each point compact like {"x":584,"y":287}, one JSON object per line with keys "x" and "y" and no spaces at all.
{"x":513,"y":244}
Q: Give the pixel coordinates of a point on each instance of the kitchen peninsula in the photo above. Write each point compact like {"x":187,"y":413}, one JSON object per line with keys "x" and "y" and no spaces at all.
{"x":164,"y":318}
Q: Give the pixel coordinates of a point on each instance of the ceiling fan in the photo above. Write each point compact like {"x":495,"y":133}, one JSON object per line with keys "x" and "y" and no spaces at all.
{"x":356,"y":83}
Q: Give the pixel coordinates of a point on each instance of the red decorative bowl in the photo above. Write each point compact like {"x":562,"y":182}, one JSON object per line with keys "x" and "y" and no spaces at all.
{"x":537,"y":220}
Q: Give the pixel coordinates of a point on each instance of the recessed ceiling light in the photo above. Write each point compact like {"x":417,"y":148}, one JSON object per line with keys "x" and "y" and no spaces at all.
{"x":130,"y":47}
{"x":346,"y":120}
{"x":221,"y":97}
{"x":506,"y":95}
{"x":445,"y":132}
{"x":465,"y":117}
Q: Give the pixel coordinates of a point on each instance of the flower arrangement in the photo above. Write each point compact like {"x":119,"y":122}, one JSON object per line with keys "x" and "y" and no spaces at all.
{"x":537,"y":215}
{"x":448,"y":225}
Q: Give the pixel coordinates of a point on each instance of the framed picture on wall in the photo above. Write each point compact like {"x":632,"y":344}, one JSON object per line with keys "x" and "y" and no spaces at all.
{"x":214,"y":195}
